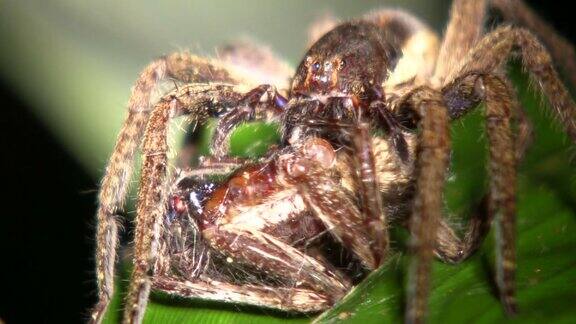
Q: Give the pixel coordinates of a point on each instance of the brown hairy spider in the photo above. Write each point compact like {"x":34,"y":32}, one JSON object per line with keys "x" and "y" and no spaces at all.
{"x":365,"y":146}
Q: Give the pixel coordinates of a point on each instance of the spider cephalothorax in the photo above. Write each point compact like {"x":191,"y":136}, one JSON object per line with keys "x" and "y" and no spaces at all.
{"x":365,"y":146}
{"x":348,"y":60}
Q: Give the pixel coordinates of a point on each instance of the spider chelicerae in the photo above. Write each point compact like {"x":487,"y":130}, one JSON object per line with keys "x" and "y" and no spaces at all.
{"x":364,"y":146}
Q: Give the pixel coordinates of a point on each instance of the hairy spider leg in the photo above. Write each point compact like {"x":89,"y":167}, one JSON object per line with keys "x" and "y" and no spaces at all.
{"x":258,"y":61}
{"x":372,"y":220}
{"x":287,"y":298}
{"x":263,"y":67}
{"x":450,"y":248}
{"x":483,"y":60}
{"x":347,"y":223}
{"x":464,"y":29}
{"x":433,"y":153}
{"x":198,"y":101}
{"x":375,"y":220}
{"x":432,"y":160}
{"x":246,"y":111}
{"x":181,"y":67}
{"x":495,"y":49}
{"x":561,"y":50}
{"x":503,"y":178}
{"x":118,"y":173}
{"x":283,"y":298}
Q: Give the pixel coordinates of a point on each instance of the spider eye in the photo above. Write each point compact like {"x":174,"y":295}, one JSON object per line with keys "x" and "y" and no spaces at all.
{"x":341,"y":64}
{"x":315,"y":66}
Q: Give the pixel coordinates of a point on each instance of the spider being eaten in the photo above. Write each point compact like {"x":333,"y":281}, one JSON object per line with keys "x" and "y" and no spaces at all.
{"x":365,"y":145}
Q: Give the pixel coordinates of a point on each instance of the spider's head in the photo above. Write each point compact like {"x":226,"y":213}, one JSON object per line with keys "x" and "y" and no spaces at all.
{"x":351,"y":59}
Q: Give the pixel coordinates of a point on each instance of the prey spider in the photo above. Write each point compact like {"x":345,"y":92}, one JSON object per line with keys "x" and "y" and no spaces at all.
{"x":364,"y":146}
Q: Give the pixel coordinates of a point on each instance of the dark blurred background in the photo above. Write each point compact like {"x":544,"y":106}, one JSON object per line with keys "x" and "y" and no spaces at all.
{"x":50,"y":168}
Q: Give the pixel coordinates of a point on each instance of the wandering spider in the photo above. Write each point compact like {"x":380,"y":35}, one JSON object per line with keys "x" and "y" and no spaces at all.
{"x":364,"y":146}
